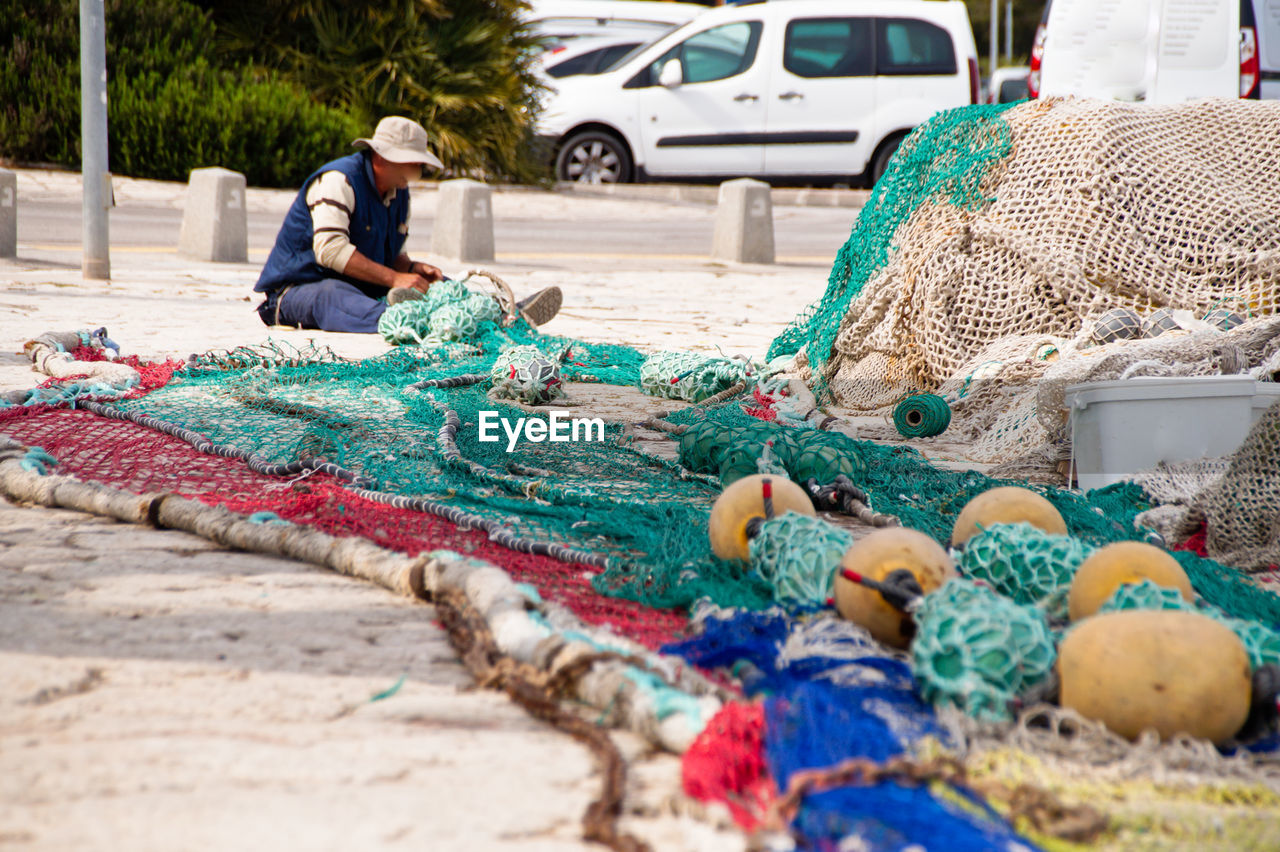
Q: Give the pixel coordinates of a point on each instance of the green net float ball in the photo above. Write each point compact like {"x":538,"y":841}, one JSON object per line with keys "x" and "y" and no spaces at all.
{"x":525,"y":374}
{"x":726,"y":440}
{"x":1006,"y":505}
{"x":797,"y":555}
{"x":876,"y":555}
{"x":1021,"y":562}
{"x":1171,"y":671}
{"x":825,"y":463}
{"x":445,"y":291}
{"x":697,"y":444}
{"x":744,"y":501}
{"x":737,"y":463}
{"x":1110,"y":567}
{"x":1117,"y":324}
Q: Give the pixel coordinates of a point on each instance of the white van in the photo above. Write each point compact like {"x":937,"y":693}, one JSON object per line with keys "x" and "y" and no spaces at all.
{"x":1157,"y":51}
{"x":1266,"y":15}
{"x":801,"y":88}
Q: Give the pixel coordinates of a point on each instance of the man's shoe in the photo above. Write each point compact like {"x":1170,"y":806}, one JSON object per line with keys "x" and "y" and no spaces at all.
{"x":539,"y":308}
{"x":403,"y":294}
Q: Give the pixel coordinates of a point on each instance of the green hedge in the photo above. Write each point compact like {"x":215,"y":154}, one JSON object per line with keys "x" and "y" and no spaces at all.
{"x":169,"y":109}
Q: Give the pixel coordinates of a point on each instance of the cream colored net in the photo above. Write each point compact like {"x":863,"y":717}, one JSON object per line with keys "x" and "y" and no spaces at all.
{"x":1096,"y":206}
{"x":1092,"y":206}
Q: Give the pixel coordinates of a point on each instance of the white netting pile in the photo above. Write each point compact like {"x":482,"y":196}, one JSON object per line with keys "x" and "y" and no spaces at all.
{"x":1097,"y":206}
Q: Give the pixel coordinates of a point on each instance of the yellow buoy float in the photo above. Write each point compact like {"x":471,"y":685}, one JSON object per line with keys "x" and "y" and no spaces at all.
{"x":1007,"y":504}
{"x":747,"y":502}
{"x":1110,"y":567}
{"x":1169,"y":670}
{"x":878,"y":558}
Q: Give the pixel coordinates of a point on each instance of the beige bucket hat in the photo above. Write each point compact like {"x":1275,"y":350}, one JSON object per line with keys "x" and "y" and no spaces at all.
{"x":400,"y":140}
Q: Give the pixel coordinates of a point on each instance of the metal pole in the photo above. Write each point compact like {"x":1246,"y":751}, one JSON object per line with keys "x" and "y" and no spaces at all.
{"x":995,"y":37}
{"x":1008,"y":32}
{"x":95,"y":179}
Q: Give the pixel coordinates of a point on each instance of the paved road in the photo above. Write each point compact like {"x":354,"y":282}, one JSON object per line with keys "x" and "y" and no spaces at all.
{"x":800,"y":233}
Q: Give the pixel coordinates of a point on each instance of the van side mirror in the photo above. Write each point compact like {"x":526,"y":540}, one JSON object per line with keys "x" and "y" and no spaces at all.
{"x":672,"y":74}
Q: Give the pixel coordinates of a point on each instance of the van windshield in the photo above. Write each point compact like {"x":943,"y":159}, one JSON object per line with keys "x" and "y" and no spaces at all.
{"x":626,"y":57}
{"x":641,"y":48}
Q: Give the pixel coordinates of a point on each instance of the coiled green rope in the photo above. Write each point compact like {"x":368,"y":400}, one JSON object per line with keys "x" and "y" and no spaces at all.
{"x":922,"y":415}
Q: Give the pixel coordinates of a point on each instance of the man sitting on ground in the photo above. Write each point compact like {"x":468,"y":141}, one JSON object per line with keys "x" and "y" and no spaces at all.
{"x":341,"y":247}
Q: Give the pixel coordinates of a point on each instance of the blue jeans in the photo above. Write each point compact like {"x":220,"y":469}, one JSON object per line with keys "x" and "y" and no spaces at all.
{"x":328,"y":305}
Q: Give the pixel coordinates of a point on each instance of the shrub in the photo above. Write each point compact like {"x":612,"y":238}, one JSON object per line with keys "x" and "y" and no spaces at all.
{"x":169,"y":108}
{"x":460,"y":67}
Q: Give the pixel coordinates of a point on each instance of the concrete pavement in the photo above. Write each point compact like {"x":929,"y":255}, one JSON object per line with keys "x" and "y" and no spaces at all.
{"x":163,"y":693}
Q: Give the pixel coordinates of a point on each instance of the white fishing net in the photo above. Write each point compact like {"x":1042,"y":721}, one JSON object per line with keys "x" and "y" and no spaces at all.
{"x":1097,"y":206}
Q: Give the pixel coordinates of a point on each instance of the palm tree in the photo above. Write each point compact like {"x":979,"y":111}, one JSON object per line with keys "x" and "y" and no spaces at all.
{"x":460,"y":67}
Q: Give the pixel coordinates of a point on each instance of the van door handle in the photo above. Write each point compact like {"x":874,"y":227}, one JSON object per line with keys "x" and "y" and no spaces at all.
{"x":745,"y":97}
{"x":790,"y":96}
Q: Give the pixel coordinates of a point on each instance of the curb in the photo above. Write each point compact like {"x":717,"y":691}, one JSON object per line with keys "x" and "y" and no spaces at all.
{"x":849,"y":198}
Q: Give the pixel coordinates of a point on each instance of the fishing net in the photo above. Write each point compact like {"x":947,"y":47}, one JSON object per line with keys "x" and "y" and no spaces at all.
{"x":978,"y":650}
{"x":989,"y":262}
{"x":798,"y":555}
{"x":1021,"y":562}
{"x":975,"y":273}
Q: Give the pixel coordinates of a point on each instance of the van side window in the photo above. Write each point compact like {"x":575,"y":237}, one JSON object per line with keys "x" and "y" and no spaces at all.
{"x":828,"y":47}
{"x":715,"y":54}
{"x":906,"y":46}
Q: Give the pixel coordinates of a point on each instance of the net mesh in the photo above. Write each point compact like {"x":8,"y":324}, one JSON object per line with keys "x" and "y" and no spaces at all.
{"x":974,"y":272}
{"x":1000,"y":234}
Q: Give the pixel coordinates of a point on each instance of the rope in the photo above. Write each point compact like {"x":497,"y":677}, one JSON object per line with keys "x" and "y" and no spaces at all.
{"x":451,"y":382}
{"x":922,"y":415}
{"x":363,"y":486}
{"x":541,"y":698}
{"x":841,"y":495}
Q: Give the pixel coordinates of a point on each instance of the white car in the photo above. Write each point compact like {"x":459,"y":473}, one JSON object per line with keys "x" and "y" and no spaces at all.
{"x":1008,"y":85}
{"x":561,"y":20}
{"x":812,"y":88}
{"x":586,"y":55}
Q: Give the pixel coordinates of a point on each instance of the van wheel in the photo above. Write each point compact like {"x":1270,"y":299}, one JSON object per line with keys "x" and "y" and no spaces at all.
{"x":593,"y":156}
{"x":880,"y":164}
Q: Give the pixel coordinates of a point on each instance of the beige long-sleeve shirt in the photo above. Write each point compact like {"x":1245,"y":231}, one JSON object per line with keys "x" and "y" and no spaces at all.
{"x":330,"y":198}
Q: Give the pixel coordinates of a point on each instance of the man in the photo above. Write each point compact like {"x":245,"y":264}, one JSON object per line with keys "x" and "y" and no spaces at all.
{"x":341,"y":247}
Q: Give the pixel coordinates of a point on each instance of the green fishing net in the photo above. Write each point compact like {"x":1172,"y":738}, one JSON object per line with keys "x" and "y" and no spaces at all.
{"x":942,"y":161}
{"x":385,"y":417}
{"x":977,"y":650}
{"x":693,"y":377}
{"x":797,"y":555}
{"x":1022,"y":562}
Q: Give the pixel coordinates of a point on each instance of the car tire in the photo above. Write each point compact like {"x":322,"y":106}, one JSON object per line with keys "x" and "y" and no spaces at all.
{"x":880,"y":162}
{"x":593,"y":156}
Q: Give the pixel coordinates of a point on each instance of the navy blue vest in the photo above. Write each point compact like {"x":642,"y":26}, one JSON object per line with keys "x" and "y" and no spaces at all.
{"x":375,"y":231}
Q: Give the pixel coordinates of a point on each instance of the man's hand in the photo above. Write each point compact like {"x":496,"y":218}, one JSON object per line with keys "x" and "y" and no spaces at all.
{"x":427,"y":271}
{"x":409,"y":279}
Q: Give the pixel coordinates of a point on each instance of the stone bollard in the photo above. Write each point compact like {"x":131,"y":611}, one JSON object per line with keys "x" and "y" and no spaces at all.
{"x":8,"y":213}
{"x":215,"y":225}
{"x":464,"y":221}
{"x":744,"y":222}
